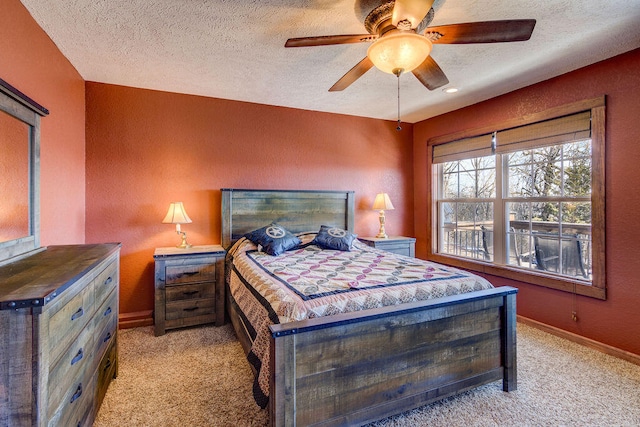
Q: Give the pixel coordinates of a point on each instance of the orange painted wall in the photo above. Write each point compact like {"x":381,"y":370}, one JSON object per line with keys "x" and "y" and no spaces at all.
{"x":33,"y":64}
{"x":615,"y":321}
{"x":148,"y":148}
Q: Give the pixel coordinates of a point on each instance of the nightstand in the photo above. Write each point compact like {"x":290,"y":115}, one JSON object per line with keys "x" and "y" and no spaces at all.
{"x":396,"y":244}
{"x":189,"y":287}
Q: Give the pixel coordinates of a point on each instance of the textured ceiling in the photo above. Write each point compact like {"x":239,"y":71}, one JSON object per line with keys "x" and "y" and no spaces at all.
{"x":235,"y":49}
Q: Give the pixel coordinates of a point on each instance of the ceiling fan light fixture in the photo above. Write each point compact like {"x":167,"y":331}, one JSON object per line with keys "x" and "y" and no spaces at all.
{"x":399,"y":49}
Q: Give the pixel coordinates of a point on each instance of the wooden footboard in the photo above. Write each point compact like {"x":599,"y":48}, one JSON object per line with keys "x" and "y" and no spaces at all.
{"x":354,"y":368}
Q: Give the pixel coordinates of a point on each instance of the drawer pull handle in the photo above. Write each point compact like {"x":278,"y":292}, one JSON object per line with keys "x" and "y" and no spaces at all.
{"x":189,"y":293}
{"x":107,"y":365}
{"x":77,"y":394}
{"x":107,"y":311}
{"x":78,"y":357}
{"x":77,"y":314}
{"x":107,"y":337}
{"x":190,"y":309}
{"x":108,"y":281}
{"x":188,"y":273}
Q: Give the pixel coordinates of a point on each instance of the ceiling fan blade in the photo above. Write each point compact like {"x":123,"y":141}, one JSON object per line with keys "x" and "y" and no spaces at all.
{"x":352,"y":75}
{"x":482,"y":32}
{"x":329,"y":40}
{"x":412,"y":10}
{"x":430,"y":74}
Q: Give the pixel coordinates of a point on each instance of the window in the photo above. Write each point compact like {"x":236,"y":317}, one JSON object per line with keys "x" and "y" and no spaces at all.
{"x":525,"y":200}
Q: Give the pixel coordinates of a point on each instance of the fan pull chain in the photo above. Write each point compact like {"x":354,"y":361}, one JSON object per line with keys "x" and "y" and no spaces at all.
{"x":397,"y":72}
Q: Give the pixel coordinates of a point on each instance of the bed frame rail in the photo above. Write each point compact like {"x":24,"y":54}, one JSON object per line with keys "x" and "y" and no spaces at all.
{"x":351,"y":369}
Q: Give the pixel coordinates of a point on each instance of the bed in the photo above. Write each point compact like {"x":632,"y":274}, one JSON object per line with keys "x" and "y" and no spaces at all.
{"x":354,"y":367}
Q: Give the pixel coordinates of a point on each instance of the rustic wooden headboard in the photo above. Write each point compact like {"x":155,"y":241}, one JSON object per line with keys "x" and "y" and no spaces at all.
{"x":296,"y":210}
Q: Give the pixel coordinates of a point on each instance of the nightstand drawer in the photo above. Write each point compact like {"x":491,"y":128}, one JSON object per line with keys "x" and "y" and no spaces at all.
{"x":195,"y":291}
{"x":190,"y":273}
{"x":190,"y":308}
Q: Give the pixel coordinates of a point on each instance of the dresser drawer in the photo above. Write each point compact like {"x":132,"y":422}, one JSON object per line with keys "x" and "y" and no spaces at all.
{"x":105,"y":282}
{"x":67,"y":322}
{"x":194,"y":291}
{"x":76,"y":403}
{"x":106,"y":371}
{"x":190,"y":273}
{"x":70,"y":368}
{"x":105,"y":325}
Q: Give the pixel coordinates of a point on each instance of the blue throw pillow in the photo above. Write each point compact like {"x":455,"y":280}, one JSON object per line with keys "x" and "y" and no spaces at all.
{"x":334,"y":238}
{"x":274,"y":239}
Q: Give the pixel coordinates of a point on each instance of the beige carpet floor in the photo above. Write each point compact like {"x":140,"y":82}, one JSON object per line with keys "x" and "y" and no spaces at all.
{"x":199,"y":377}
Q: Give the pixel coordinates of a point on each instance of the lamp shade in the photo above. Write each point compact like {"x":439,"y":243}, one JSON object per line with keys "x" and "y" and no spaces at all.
{"x":399,"y":50}
{"x":382,"y":202}
{"x":176,"y":214}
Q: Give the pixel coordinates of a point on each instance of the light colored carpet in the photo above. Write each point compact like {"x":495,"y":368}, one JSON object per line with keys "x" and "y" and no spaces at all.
{"x":199,"y":377}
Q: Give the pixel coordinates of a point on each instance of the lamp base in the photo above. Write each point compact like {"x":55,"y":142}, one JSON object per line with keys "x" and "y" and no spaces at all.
{"x":382,"y":234}
{"x":183,"y":244}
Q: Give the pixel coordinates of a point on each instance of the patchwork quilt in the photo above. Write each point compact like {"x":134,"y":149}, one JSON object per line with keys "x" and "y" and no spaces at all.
{"x":309,"y":282}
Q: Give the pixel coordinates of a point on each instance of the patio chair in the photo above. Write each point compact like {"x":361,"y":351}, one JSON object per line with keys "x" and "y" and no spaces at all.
{"x":547,"y":252}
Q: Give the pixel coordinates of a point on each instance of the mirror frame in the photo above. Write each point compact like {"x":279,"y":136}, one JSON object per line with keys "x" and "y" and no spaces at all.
{"x":23,"y":108}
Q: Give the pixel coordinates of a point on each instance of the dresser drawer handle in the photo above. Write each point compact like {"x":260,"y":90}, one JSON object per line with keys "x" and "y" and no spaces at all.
{"x":108,"y":281}
{"x":77,"y":394}
{"x":190,"y":309}
{"x":189,"y":293}
{"x":107,"y":311}
{"x":107,"y":337}
{"x":77,"y":357}
{"x":77,"y":314}
{"x":107,"y":365}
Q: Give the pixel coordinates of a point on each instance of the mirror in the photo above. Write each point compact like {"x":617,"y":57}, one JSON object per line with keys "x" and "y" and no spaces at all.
{"x":19,"y":172}
{"x":14,"y":186}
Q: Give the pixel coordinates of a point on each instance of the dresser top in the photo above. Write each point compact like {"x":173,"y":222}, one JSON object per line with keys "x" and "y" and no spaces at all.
{"x":193,"y":250}
{"x":37,"y":279}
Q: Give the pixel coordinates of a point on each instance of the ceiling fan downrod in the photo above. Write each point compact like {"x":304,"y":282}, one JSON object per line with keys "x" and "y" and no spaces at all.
{"x":397,"y":72}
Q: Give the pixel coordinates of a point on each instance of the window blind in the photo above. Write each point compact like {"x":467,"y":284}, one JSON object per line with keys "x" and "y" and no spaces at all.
{"x":570,"y":128}
{"x":467,"y":148}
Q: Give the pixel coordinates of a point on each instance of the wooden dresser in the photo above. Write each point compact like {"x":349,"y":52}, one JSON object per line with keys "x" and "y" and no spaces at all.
{"x":189,"y":287}
{"x":58,"y":334}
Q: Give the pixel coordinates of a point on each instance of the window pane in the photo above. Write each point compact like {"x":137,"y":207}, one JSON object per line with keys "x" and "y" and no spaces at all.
{"x":546,"y":178}
{"x":562,"y":255}
{"x":450,"y":185}
{"x":486,"y":183}
{"x":576,"y":213}
{"x":462,"y":229}
{"x":520,"y":158}
{"x":450,"y":180}
{"x":520,"y":182}
{"x":468,"y":184}
{"x":577,"y":177}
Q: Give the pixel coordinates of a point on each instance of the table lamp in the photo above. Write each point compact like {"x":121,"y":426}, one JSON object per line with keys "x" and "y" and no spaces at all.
{"x":177,"y":215}
{"x":382,"y":203}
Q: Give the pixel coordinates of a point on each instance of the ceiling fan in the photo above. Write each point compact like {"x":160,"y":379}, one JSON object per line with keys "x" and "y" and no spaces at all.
{"x":402,"y":41}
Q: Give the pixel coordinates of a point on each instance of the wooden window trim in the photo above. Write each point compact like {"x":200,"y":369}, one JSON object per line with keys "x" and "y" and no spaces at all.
{"x":597,"y":287}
